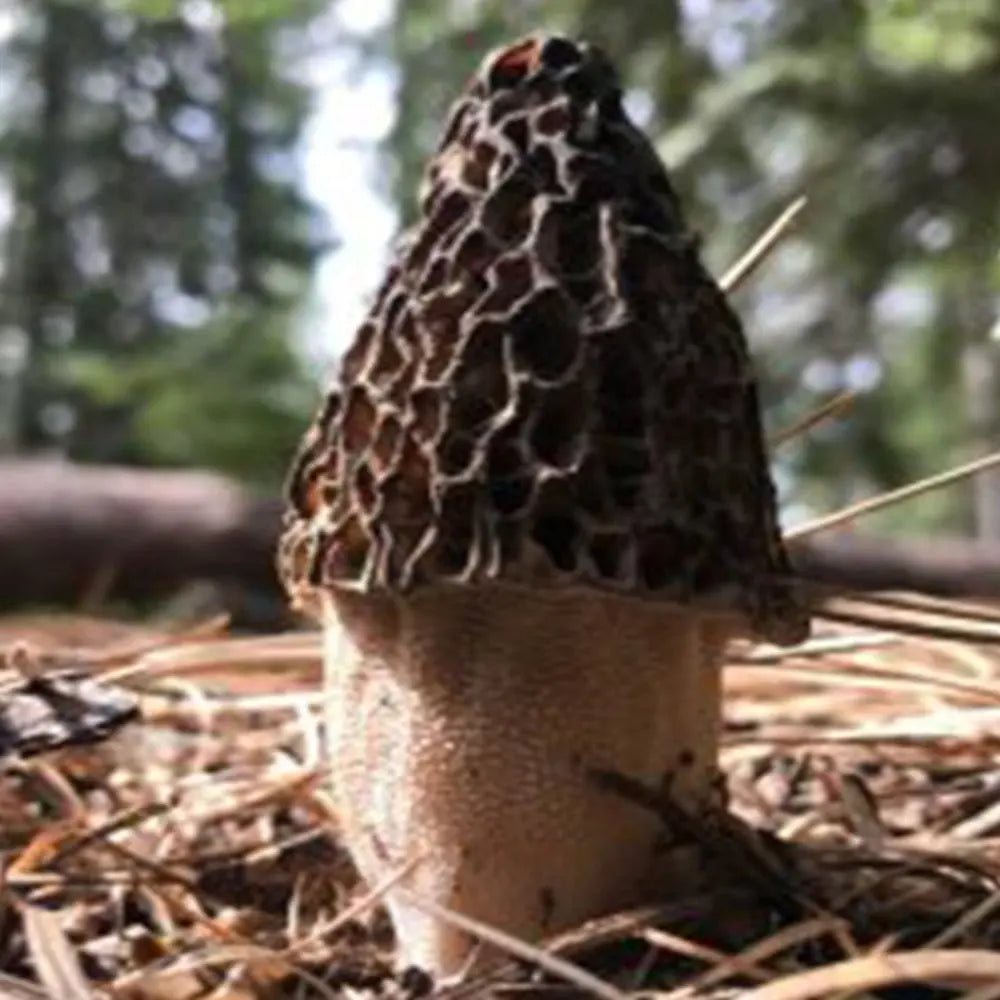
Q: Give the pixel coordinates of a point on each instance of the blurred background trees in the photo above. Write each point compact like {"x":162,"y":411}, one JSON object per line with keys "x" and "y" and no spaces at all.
{"x":157,"y":243}
{"x":158,"y":247}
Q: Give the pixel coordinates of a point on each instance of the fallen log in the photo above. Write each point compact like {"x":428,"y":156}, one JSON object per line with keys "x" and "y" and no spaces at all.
{"x":85,"y":535}
{"x":944,"y":567}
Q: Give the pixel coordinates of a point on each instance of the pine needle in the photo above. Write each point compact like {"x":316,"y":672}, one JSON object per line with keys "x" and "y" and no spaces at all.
{"x":762,"y":246}
{"x":884,"y":500}
{"x":552,"y":964}
{"x":856,"y":610}
{"x":834,"y":407}
{"x":956,"y":968}
{"x":55,"y":959}
{"x":916,"y":602}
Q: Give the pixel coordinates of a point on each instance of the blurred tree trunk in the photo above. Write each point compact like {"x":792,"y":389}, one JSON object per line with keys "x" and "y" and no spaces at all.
{"x":86,"y":535}
{"x":159,"y":241}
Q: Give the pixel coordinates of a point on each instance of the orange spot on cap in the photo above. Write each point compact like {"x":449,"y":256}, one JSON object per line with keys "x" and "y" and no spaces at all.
{"x":521,"y":58}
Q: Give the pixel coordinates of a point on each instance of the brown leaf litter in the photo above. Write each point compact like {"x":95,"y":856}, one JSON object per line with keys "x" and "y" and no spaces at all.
{"x":194,"y":853}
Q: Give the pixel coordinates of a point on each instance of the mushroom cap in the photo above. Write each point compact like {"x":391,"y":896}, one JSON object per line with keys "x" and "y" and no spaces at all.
{"x":549,"y":389}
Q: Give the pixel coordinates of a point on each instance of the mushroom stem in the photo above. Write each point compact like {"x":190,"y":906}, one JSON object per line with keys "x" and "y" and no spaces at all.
{"x":463,"y":725}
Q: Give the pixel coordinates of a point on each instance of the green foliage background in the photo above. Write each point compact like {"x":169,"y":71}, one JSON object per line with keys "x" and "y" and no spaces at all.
{"x":160,"y":245}
{"x":160,"y":249}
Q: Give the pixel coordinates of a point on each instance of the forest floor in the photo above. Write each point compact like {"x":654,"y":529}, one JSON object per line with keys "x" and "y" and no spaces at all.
{"x":194,"y":853}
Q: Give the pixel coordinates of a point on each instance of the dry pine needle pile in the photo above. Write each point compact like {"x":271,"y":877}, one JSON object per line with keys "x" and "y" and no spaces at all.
{"x":194,"y":852}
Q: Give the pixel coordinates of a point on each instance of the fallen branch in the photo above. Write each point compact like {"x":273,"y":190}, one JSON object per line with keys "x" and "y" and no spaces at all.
{"x":86,"y":535}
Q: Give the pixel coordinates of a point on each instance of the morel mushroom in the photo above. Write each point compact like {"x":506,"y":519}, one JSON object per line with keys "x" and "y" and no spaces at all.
{"x":533,"y":507}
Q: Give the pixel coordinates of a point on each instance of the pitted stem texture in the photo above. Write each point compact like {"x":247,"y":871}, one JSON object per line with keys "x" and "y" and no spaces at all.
{"x":465,"y":726}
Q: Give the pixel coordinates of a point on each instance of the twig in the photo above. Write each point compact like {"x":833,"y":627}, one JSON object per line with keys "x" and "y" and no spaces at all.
{"x":761,"y":951}
{"x":834,"y":407}
{"x":53,"y":956}
{"x":736,"y":965}
{"x":821,"y":646}
{"x":858,"y":611}
{"x":977,"y":826}
{"x":762,"y":246}
{"x":961,"y":967}
{"x":884,"y":500}
{"x":223,"y":954}
{"x":551,"y":964}
{"x":871,"y":678}
{"x":124,"y":820}
{"x":967,"y":921}
{"x":601,"y":931}
{"x":255,"y":652}
{"x":361,"y":905}
{"x":103,"y":879}
{"x":927,"y":602}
